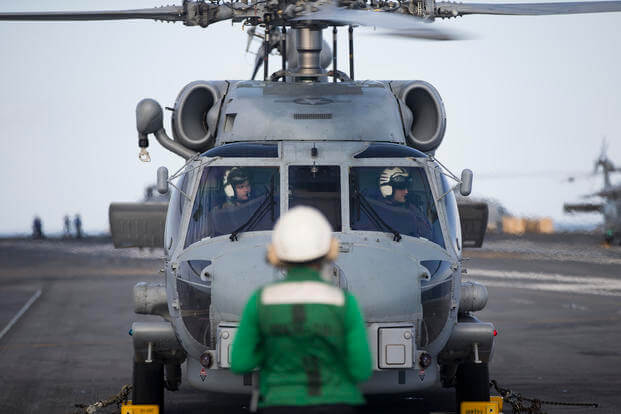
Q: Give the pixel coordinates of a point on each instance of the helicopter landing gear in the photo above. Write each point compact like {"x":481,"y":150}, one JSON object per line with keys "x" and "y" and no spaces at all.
{"x":149,"y":384}
{"x":172,"y":379}
{"x":472,"y":382}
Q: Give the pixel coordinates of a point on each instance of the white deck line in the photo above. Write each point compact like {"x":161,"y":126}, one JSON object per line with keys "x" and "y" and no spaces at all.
{"x":21,"y":312}
{"x":552,"y":282}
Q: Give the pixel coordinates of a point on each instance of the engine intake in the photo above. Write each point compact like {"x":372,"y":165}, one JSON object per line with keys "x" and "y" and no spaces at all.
{"x":195,"y":115}
{"x":423,"y":114}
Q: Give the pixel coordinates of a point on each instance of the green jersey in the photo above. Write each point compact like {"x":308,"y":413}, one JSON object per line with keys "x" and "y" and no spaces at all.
{"x":308,"y":339}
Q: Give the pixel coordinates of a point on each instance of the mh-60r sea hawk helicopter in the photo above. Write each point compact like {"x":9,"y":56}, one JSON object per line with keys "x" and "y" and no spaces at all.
{"x":256,"y":148}
{"x":609,"y":203}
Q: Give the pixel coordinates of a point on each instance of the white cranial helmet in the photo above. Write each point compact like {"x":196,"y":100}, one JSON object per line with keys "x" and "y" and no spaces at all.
{"x":395,"y":177}
{"x":301,"y":235}
{"x":233,"y":177}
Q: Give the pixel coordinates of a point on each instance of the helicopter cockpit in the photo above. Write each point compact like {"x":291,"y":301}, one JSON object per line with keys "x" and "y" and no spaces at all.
{"x":383,"y":197}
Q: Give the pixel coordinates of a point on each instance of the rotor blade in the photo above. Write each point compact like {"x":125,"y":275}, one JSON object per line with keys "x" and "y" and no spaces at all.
{"x":168,"y":13}
{"x":582,"y":208}
{"x":602,"y":153}
{"x":398,"y":24}
{"x":258,"y":62}
{"x":613,"y":193}
{"x":251,"y":31}
{"x":449,"y":9}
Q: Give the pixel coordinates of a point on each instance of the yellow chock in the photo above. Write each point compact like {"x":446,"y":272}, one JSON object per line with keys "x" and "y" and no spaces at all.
{"x":130,"y":408}
{"x":479,"y":407}
{"x":498,"y":400}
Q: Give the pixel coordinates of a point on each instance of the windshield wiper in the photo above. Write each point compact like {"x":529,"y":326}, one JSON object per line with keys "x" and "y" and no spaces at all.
{"x":259,"y":213}
{"x":371,"y":213}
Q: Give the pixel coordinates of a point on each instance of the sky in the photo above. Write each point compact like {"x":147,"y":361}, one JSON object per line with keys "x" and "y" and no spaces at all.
{"x":528,"y":102}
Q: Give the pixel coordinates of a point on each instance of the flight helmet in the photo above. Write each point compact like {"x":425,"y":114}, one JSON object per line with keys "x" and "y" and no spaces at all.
{"x":233,"y":177}
{"x":393,"y":178}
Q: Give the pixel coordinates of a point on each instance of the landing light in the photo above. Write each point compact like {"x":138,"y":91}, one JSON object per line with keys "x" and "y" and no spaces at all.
{"x":206,"y":359}
{"x":425,"y":360}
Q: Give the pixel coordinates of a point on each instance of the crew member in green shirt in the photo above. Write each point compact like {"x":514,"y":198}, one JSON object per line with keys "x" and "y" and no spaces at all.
{"x":306,"y":336}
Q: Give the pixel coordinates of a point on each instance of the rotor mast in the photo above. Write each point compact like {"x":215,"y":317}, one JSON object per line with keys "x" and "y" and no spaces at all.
{"x":308,"y":43}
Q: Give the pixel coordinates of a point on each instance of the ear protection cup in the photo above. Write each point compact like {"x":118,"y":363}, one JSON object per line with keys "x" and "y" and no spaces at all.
{"x":333,"y":253}
{"x":271,"y":256}
{"x":386,"y":190}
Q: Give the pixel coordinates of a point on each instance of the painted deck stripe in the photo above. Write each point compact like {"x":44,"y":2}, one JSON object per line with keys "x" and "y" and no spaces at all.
{"x":553,"y":277}
{"x":21,"y":312}
{"x":550,"y":287}
{"x":552,"y":282}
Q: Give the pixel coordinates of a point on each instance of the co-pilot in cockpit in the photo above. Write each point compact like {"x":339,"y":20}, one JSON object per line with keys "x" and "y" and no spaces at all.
{"x":234,"y":199}
{"x":237,"y":186}
{"x":394,"y":199}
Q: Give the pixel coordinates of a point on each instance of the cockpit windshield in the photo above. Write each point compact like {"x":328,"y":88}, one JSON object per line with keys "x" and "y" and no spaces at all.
{"x":318,"y":187}
{"x":393,"y":199}
{"x":234,"y":199}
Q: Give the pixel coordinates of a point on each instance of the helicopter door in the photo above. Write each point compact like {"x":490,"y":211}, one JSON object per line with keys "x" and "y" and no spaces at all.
{"x":319,"y":187}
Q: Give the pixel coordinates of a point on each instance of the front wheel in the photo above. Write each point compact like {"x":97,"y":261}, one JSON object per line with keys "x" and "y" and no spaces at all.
{"x":149,"y":384}
{"x":472,"y":383}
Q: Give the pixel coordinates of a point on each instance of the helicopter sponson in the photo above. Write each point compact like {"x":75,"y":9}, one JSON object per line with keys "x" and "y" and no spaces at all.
{"x":211,"y":113}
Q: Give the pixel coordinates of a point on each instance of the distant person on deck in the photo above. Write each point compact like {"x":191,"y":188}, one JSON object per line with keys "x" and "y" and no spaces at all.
{"x":67,"y":227}
{"x":306,"y":336}
{"x":37,"y":228}
{"x":77,"y":223}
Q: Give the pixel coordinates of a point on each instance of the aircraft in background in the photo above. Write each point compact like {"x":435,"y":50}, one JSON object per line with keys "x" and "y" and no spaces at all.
{"x":606,"y":201}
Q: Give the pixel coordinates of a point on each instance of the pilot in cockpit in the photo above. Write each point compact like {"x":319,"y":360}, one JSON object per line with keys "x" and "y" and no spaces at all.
{"x":394,"y":183}
{"x":237,"y":187}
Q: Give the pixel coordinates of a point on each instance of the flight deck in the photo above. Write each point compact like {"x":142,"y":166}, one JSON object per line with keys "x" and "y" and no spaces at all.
{"x":554,"y":300}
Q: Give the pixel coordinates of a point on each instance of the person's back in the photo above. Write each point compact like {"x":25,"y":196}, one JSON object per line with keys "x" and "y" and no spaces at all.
{"x":308,"y":339}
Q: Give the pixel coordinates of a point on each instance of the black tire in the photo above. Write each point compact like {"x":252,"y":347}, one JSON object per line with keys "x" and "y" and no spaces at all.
{"x":172,"y":379}
{"x":472,"y":383}
{"x":149,"y":384}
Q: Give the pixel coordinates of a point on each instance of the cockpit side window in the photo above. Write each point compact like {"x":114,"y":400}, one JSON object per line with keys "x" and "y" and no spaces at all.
{"x":319,"y":187}
{"x":233,"y":197}
{"x":395,"y":197}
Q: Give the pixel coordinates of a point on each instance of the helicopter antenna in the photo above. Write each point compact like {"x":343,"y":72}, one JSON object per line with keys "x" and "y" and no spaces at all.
{"x":266,"y":49}
{"x":351,"y":52}
{"x":283,"y":51}
{"x":334,"y":68}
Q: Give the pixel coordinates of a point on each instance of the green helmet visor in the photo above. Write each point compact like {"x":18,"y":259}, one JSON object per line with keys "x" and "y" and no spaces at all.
{"x":400,"y":182}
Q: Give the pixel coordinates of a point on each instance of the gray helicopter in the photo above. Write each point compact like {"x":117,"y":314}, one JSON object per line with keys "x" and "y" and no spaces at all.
{"x":610,"y":200}
{"x":253,"y":149}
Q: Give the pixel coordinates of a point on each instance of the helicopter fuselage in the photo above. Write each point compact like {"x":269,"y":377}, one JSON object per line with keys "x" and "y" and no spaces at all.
{"x":324,"y":145}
